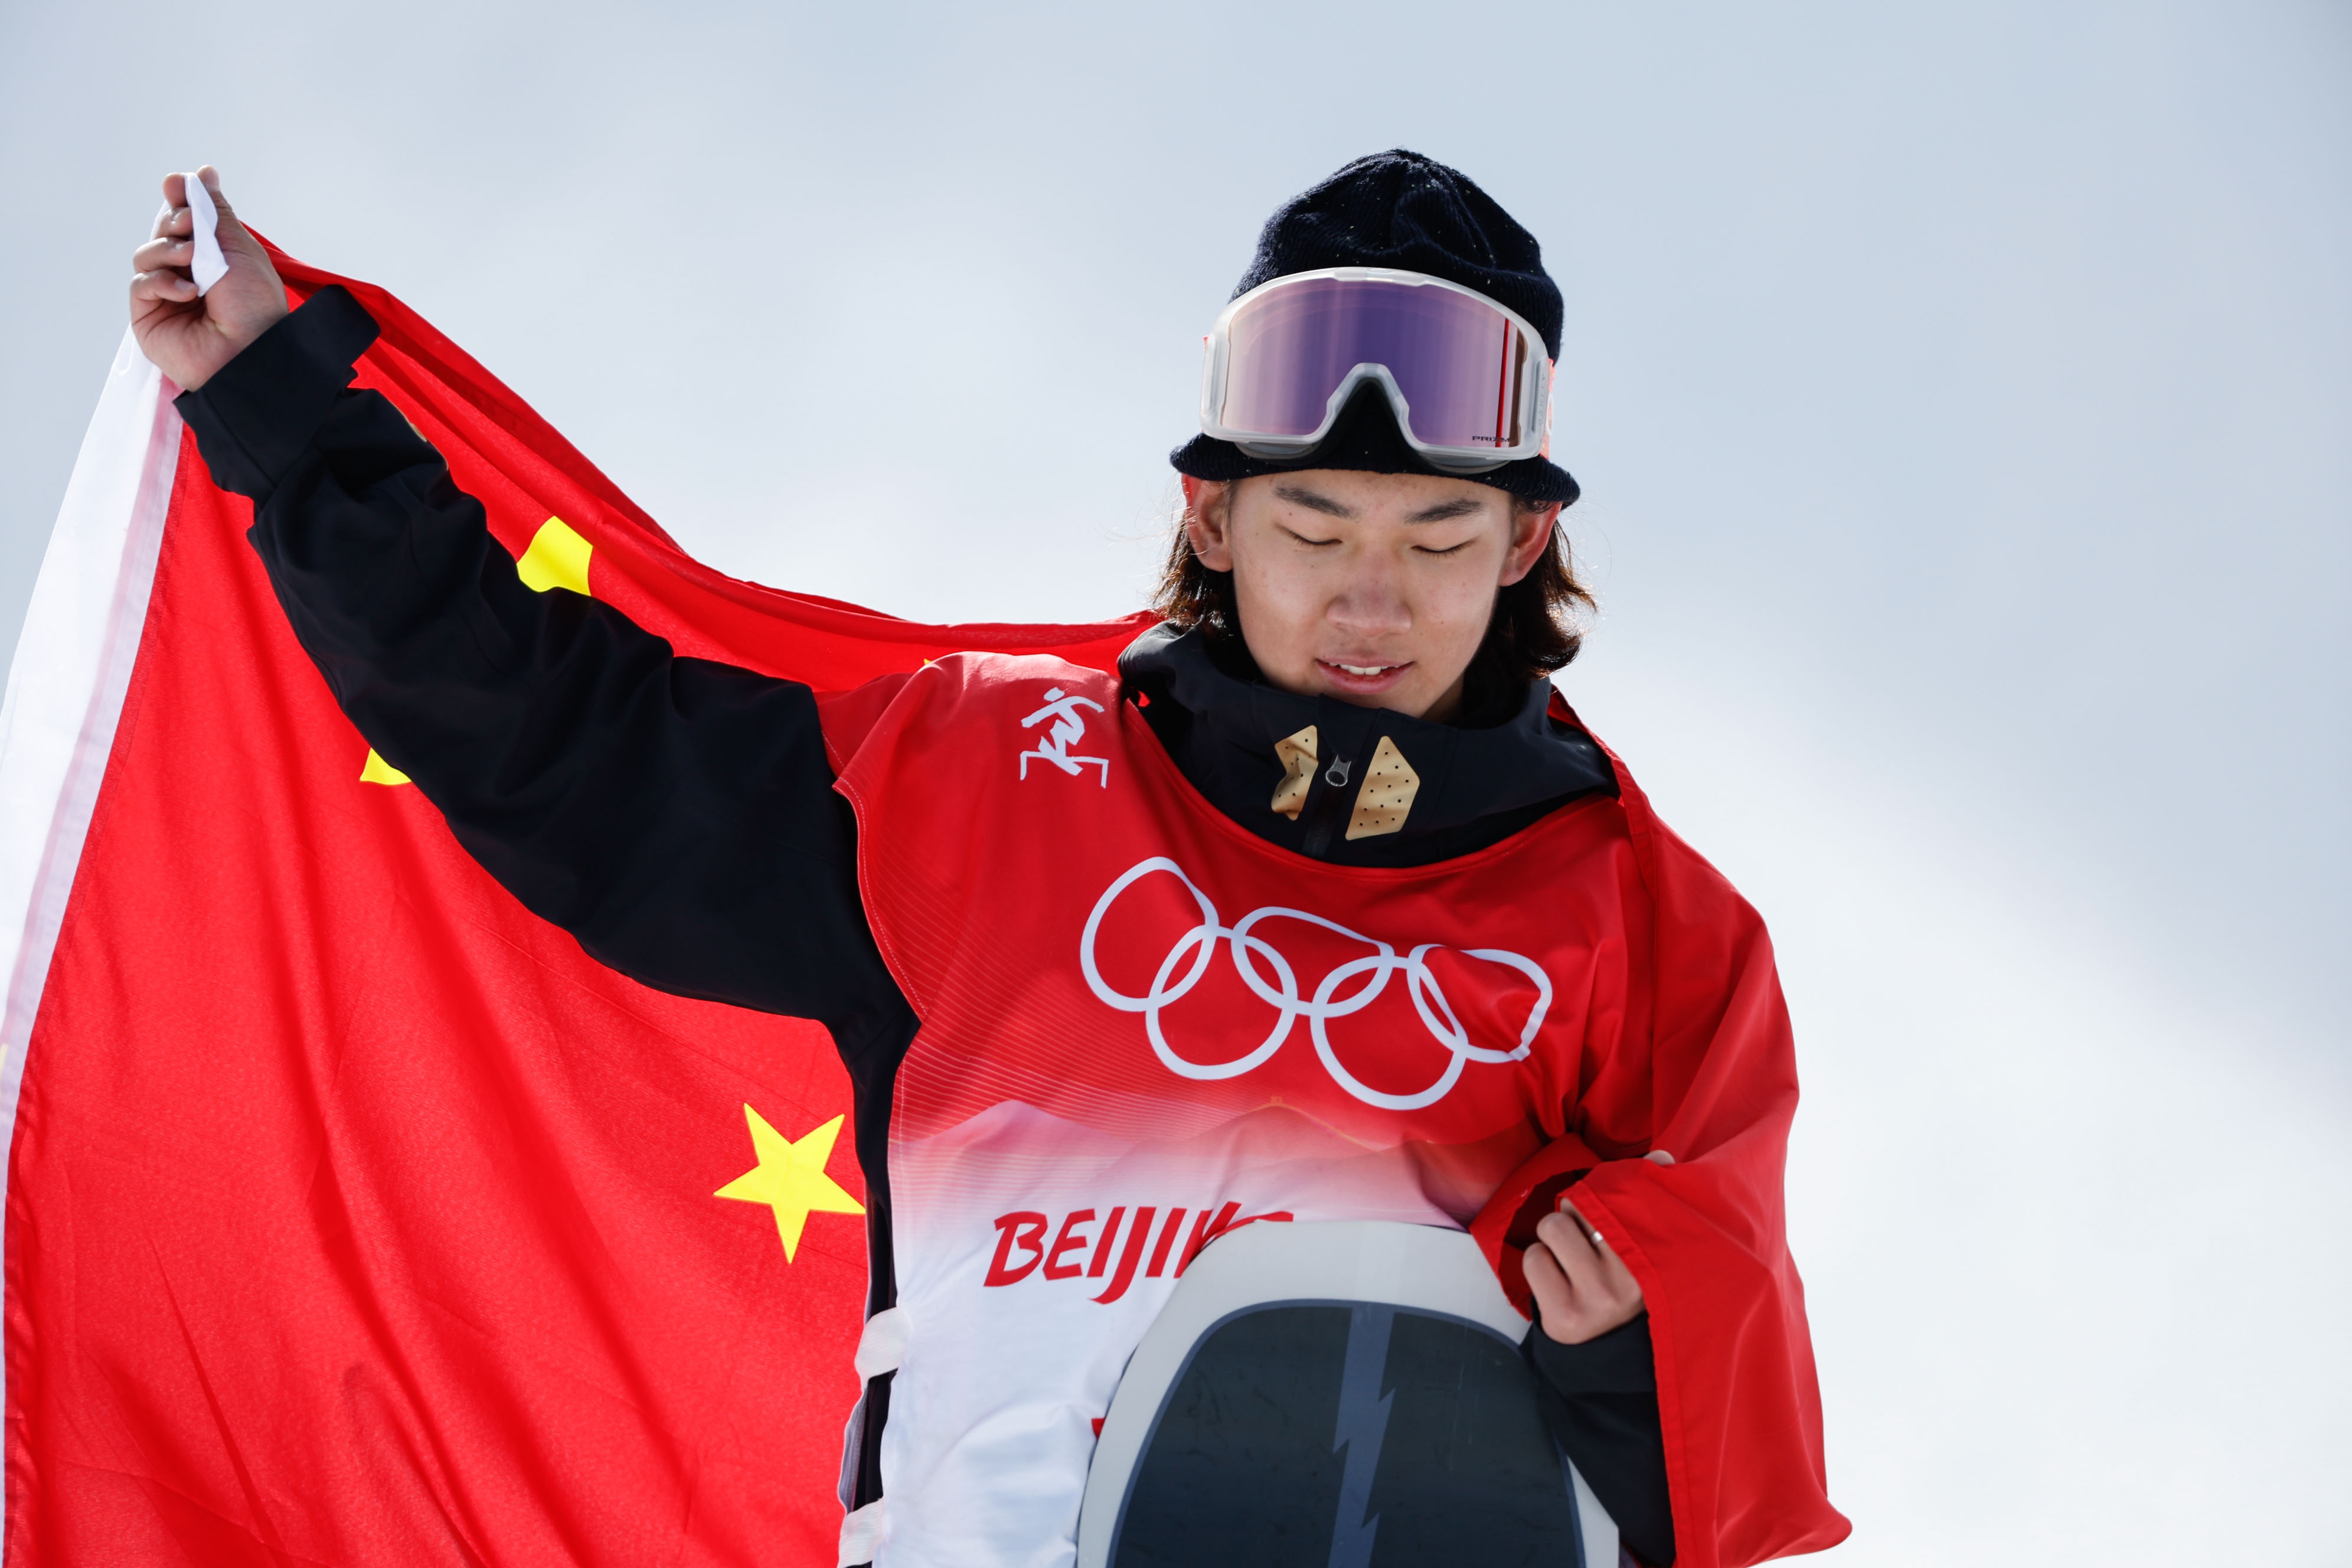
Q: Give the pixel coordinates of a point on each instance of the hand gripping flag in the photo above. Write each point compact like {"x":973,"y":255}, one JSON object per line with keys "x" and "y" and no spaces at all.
{"x":353,"y":1213}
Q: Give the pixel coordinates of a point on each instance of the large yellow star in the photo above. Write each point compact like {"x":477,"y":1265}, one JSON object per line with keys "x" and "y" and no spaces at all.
{"x":790,"y":1178}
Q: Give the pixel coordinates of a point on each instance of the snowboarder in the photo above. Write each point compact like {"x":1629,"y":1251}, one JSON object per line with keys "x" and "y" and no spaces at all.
{"x":1325,"y":908}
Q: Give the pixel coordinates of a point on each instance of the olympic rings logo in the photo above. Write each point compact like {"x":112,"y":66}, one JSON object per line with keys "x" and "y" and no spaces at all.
{"x":1371,"y":973}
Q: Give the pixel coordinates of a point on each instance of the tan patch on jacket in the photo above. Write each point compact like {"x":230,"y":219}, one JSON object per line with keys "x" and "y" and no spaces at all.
{"x":1296,"y":754}
{"x":1386,"y":799}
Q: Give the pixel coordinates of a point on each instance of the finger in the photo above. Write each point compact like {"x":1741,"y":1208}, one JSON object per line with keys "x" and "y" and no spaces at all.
{"x":1572,"y":1249}
{"x":160,"y":252}
{"x":164,"y":288}
{"x":171,"y":220}
{"x":211,"y":178}
{"x":170,"y":288}
{"x":1615,"y":1277}
{"x":230,"y":231}
{"x":1555,"y":1302}
{"x":1594,"y":1239}
{"x":1604,"y":1275}
{"x":1614,"y":1280}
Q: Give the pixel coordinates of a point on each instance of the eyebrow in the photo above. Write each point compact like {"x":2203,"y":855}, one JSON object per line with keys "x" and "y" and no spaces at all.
{"x":1299,"y":495}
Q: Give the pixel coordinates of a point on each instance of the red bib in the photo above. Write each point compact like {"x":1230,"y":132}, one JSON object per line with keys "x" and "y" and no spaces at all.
{"x":1141,"y":1025}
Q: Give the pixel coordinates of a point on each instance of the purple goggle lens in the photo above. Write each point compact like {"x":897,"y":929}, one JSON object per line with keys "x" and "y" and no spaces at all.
{"x":1467,"y":377}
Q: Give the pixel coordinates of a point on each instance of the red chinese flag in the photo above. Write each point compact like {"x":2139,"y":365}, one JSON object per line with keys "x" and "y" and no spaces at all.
{"x":354,"y":1214}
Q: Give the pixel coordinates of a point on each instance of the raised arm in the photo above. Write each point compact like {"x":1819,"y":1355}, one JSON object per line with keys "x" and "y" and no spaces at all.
{"x":676,"y":814}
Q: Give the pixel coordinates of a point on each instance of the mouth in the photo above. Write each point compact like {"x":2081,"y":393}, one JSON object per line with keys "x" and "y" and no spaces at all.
{"x":1363,"y":678}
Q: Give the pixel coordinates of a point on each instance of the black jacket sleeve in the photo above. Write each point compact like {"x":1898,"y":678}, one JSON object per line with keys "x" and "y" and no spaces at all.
{"x":1601,"y":1400}
{"x":675,"y":814}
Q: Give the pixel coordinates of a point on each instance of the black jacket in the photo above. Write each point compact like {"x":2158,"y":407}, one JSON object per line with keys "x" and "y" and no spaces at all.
{"x":677,"y":815}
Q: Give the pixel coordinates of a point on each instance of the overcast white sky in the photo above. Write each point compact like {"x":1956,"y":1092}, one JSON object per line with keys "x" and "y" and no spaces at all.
{"x":1963,"y":400}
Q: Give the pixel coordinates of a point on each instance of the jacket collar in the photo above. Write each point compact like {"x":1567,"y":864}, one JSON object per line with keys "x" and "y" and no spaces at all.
{"x":1459,"y":788}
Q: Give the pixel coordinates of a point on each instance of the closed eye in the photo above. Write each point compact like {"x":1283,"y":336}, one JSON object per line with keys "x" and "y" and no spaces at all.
{"x":1449,"y":550}
{"x":1314,"y":544}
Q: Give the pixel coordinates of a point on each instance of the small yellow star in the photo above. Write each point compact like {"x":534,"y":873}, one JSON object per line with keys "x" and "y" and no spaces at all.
{"x":790,"y":1178}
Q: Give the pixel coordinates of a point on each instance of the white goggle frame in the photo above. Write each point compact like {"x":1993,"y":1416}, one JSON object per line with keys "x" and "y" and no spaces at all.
{"x":1533,"y":390}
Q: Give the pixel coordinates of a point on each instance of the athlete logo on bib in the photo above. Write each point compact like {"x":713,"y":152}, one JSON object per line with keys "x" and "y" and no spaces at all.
{"x":1272,"y":977}
{"x":1067,"y":730}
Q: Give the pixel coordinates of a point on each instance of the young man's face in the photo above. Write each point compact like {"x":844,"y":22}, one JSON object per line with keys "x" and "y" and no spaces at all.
{"x":1373,"y":588}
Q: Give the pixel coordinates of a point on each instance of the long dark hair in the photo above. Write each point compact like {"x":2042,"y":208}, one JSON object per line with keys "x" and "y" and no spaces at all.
{"x":1535,"y":630}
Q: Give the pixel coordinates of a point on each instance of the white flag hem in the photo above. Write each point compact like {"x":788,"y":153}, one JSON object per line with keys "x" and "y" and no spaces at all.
{"x":67,"y":682}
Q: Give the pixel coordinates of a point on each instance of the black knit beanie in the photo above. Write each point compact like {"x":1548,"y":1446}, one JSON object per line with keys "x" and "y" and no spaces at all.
{"x":1398,"y":209}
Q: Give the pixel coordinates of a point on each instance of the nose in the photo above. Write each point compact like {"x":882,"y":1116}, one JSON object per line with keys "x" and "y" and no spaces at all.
{"x":1371,"y":602}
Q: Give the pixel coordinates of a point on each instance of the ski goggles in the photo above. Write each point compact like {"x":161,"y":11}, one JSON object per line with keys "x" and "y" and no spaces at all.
{"x":1468,"y":379}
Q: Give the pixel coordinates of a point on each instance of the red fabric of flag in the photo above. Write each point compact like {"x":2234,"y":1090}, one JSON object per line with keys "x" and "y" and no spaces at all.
{"x":354,"y":1214}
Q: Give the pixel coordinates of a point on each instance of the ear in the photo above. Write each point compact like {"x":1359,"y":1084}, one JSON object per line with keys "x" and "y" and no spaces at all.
{"x":1531,"y":537}
{"x":1208,"y":522}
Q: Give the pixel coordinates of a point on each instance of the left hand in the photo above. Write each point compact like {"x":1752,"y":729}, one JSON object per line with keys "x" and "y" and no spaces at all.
{"x":1582,"y":1285}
